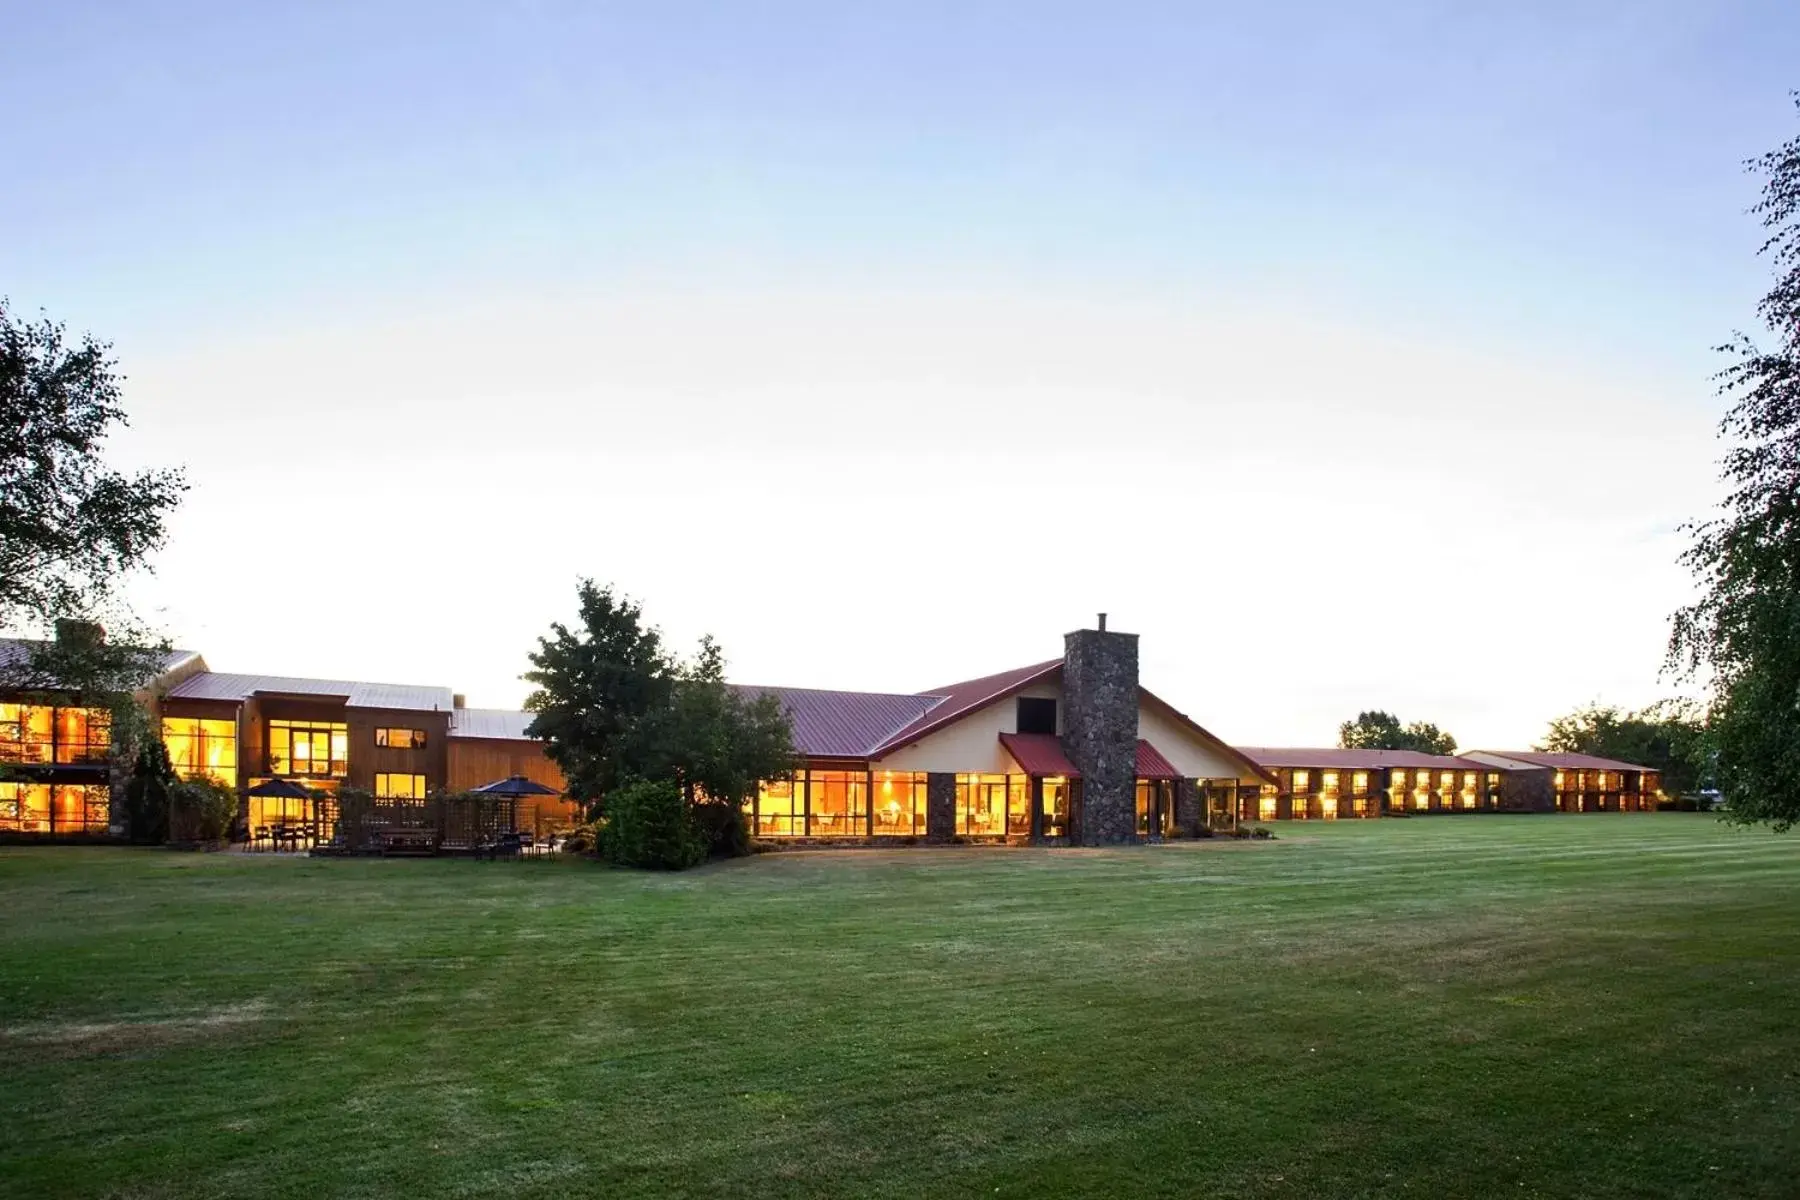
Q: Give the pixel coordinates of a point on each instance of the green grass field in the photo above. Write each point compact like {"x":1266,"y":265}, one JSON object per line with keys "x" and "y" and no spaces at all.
{"x":1518,"y":1006}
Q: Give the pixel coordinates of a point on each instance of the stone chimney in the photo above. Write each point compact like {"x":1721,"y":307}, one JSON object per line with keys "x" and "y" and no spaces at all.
{"x":1100,"y":711}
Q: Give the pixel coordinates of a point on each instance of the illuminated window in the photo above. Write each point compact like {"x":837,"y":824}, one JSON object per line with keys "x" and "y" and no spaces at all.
{"x":398,"y":786}
{"x":1155,"y":807}
{"x":1018,"y":805}
{"x":1468,"y":789}
{"x":1266,"y":802}
{"x":83,"y":735}
{"x":981,"y":804}
{"x":838,"y":803}
{"x":1359,"y":783}
{"x":54,"y":808}
{"x":1302,"y":781}
{"x":1328,"y":795}
{"x":202,"y":746}
{"x":314,"y":749}
{"x":781,"y":807}
{"x":27,"y":733}
{"x":900,"y":803}
{"x":1056,"y":806}
{"x":400,"y":739}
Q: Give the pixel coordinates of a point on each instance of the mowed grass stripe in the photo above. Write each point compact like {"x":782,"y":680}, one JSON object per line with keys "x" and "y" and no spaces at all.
{"x":1593,"y":1005}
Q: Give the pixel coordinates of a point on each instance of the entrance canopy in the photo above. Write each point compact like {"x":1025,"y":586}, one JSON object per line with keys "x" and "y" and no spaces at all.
{"x":1039,"y":754}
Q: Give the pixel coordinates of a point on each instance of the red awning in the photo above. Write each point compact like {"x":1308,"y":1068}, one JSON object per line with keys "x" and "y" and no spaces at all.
{"x":1152,"y":765}
{"x":1039,"y":754}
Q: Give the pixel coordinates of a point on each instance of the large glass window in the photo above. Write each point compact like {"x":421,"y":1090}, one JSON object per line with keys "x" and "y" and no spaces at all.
{"x":900,"y":803}
{"x":1155,"y":807}
{"x":1267,"y":801}
{"x":399,"y":739}
{"x":1056,"y":806}
{"x":839,"y":803}
{"x":981,"y":805}
{"x":202,"y":746}
{"x":27,"y":733}
{"x":83,"y":735}
{"x":394,"y":785}
{"x":54,"y":808}
{"x":1468,"y":789}
{"x":781,"y":807}
{"x":1328,"y":795}
{"x":317,"y":749}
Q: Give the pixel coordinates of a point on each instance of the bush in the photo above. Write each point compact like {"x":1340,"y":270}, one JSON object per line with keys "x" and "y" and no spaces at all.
{"x":1262,"y":834}
{"x":722,"y":829}
{"x":648,"y":825}
{"x":147,"y":793}
{"x":583,"y":839}
{"x":201,"y":810}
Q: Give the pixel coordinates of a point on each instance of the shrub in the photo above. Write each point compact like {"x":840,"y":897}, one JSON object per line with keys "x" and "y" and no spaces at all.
{"x":1263,"y":834}
{"x":583,"y":838}
{"x":722,"y":829}
{"x":147,"y":794}
{"x":201,"y":810}
{"x":648,"y":825}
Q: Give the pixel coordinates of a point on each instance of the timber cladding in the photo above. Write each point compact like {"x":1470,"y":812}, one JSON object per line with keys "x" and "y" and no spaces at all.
{"x":475,"y":761}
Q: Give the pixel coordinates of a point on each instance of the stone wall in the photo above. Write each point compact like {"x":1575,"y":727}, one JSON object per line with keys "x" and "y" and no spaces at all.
{"x":940,"y":807}
{"x":1190,"y":807}
{"x":1527,"y":791}
{"x":1100,"y":710}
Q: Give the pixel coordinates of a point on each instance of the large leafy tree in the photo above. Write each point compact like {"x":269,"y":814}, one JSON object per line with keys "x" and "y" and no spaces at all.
{"x":1379,"y":730}
{"x":70,"y":526}
{"x":1743,"y":634}
{"x":614,"y":706}
{"x":1667,"y":737}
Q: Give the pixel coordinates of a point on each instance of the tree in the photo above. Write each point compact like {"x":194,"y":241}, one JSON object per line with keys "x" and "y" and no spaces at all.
{"x":1667,"y":737}
{"x":148,"y":791}
{"x":70,"y":527}
{"x":1743,"y":633}
{"x":1378,"y":730}
{"x":602,"y":693}
{"x":614,"y":707}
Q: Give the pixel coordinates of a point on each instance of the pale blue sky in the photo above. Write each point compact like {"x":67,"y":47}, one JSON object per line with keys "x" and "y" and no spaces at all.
{"x":319,"y":207}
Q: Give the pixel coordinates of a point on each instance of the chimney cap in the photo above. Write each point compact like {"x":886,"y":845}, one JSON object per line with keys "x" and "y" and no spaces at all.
{"x":1102,"y":622}
{"x":458,"y":700}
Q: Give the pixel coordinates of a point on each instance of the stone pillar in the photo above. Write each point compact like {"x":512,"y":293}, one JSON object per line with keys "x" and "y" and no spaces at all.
{"x":940,"y":807}
{"x":1190,"y":807}
{"x":1100,"y":710}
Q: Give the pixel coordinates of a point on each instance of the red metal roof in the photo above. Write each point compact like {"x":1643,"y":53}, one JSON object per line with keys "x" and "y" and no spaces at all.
{"x":1039,"y":754}
{"x":1152,"y":765}
{"x":1335,"y":758}
{"x":843,"y":724}
{"x":1565,"y":762}
{"x":960,"y":699}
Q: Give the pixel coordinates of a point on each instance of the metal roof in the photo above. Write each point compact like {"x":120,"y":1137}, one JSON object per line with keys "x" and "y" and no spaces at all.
{"x":15,"y":654}
{"x":502,"y":724}
{"x":216,"y":685}
{"x":1562,"y":762}
{"x":1152,"y":765}
{"x":1338,"y":758}
{"x":830,"y":724}
{"x":957,"y":700}
{"x":1039,"y":754}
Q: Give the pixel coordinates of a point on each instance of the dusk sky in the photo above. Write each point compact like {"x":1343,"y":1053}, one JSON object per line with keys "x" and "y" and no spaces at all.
{"x":1353,"y":355}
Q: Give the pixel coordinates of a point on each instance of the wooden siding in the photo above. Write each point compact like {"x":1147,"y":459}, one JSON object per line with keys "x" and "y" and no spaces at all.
{"x":475,"y":761}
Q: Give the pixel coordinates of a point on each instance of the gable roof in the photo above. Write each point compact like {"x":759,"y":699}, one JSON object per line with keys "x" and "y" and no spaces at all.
{"x":218,"y":685}
{"x":1562,"y":761}
{"x":831,"y":724}
{"x":1338,"y":758}
{"x":958,"y":700}
{"x":1039,"y":754}
{"x":1194,"y":727}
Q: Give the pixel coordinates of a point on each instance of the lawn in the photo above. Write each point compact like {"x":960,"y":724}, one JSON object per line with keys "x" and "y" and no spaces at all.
{"x":1522,"y":1006}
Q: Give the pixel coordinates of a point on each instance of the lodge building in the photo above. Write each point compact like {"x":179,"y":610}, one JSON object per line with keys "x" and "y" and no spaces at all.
{"x":1068,"y":751}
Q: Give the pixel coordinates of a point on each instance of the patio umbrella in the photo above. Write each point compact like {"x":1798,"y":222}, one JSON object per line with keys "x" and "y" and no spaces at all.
{"x":515,"y":786}
{"x":279,"y":789}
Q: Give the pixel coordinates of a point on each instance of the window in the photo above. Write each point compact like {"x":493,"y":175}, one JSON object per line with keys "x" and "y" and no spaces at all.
{"x":1266,"y":802}
{"x":1359,"y":783}
{"x":202,"y":746}
{"x":982,"y":803}
{"x":317,"y":749}
{"x":1155,"y":806}
{"x":900,"y":804}
{"x":54,"y":808}
{"x":398,"y":786}
{"x":83,"y":735}
{"x":781,"y":807}
{"x":1056,"y":806}
{"x":400,"y":739}
{"x":1302,"y":782}
{"x":1036,"y":715}
{"x":1328,"y":795}
{"x":1468,"y":789}
{"x":27,"y":733}
{"x":838,"y":803}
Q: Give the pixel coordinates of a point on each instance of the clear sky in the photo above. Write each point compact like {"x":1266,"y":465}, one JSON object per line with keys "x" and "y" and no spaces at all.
{"x":1353,"y":355}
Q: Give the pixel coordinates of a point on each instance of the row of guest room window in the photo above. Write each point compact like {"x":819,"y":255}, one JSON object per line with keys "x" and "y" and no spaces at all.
{"x":818,"y":803}
{"x":1331,"y":794}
